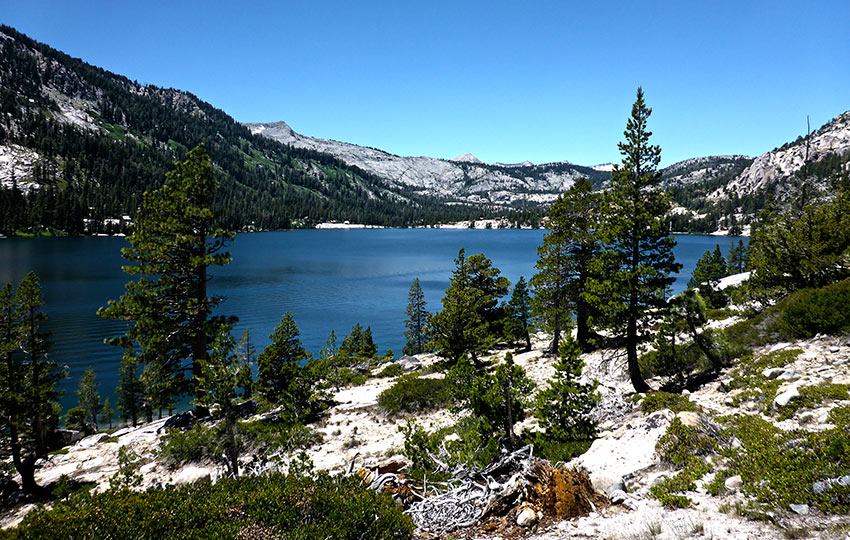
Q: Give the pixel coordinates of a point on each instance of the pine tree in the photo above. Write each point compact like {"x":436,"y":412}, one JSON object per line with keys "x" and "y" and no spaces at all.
{"x":466,"y":324}
{"x":518,"y":315}
{"x":28,"y":395}
{"x":173,"y":244}
{"x":498,"y":399}
{"x":737,"y":258}
{"x":88,"y":396}
{"x":802,"y":249}
{"x":106,"y":412}
{"x":247,"y":351}
{"x":282,"y":379}
{"x":710,"y":269}
{"x":564,"y":266}
{"x":638,"y":247}
{"x":129,"y":391}
{"x":219,"y":379}
{"x":416,"y":323}
{"x":563,"y":408}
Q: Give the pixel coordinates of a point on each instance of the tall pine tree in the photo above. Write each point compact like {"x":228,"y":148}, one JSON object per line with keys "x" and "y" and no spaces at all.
{"x":417,"y":320}
{"x":564,"y":267}
{"x":174,"y":243}
{"x":28,"y":377}
{"x":638,"y":256}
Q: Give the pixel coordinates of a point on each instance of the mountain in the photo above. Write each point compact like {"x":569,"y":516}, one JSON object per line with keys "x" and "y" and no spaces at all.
{"x":466,"y":158}
{"x":465,"y":177}
{"x":79,"y":145}
{"x":821,"y":154}
{"x":724,"y":193}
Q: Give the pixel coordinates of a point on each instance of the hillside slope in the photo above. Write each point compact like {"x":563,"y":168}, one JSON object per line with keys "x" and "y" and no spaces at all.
{"x":79,"y":145}
{"x":464,"y":177}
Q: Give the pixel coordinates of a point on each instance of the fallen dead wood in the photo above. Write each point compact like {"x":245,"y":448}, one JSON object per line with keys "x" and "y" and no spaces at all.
{"x":517,"y":478}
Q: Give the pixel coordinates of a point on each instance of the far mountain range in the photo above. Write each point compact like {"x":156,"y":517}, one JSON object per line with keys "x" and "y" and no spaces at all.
{"x":78,"y":146}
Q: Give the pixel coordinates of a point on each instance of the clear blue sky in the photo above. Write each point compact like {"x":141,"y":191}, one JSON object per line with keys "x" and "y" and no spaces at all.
{"x":506,"y":81}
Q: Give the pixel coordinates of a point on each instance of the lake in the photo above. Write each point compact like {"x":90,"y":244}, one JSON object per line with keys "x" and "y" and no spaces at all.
{"x":329,"y":279}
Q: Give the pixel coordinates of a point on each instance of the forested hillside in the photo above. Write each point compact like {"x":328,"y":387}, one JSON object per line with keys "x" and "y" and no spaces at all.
{"x":79,"y":145}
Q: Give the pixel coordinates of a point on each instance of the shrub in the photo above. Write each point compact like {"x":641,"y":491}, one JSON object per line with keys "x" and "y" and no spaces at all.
{"x":276,"y":505}
{"x":656,"y":401}
{"x":682,"y":445}
{"x":392,"y":370}
{"x":813,"y":396}
{"x":780,"y":468}
{"x":412,"y":394}
{"x":463,"y":442}
{"x":818,"y":311}
{"x":840,"y":416}
{"x":261,"y":438}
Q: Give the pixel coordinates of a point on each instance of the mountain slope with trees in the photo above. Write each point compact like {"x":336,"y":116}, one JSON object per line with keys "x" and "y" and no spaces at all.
{"x":80,"y":145}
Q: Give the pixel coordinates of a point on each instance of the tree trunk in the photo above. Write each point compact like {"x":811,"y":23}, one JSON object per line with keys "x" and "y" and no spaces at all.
{"x":25,"y":467}
{"x":509,"y":420}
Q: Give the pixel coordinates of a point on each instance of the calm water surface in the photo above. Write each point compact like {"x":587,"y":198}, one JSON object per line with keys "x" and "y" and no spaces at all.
{"x":329,"y":279}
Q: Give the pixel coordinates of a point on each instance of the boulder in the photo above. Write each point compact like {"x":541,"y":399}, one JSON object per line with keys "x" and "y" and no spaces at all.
{"x":191,"y":475}
{"x":772,"y":373}
{"x":799,"y":509}
{"x":409,"y":363}
{"x":184,"y":420}
{"x":67,"y":437}
{"x":526,"y":517}
{"x":91,"y":440}
{"x":785,"y":397}
{"x":688,"y":418}
{"x":618,"y":496}
{"x":733,"y":483}
{"x":625,"y":451}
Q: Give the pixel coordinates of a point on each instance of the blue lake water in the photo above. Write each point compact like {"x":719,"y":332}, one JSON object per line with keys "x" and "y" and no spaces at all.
{"x":329,"y":279}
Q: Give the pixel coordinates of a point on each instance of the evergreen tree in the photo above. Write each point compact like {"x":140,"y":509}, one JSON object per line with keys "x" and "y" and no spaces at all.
{"x":710,"y":269}
{"x":282,"y":379}
{"x":173,"y":244}
{"x":28,"y":395}
{"x":416,"y":323}
{"x":564,"y":407}
{"x":518,"y":315}
{"x":219,"y":379}
{"x":465,"y":324}
{"x":129,"y":391}
{"x":564,"y":266}
{"x":806,"y":249}
{"x":638,"y":247}
{"x":106,"y":412}
{"x":247,"y":351}
{"x":498,"y":399}
{"x":737,"y":260}
{"x":88,"y":397}
{"x":357,"y":347}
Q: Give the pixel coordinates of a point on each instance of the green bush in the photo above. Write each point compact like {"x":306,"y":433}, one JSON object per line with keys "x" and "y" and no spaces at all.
{"x":273,"y":506}
{"x":682,"y":445}
{"x":814,"y":396}
{"x":463,"y":441}
{"x":840,"y":416}
{"x":818,"y":311}
{"x":779,"y":468}
{"x":656,"y":401}
{"x":412,"y":394}
{"x":392,"y":370}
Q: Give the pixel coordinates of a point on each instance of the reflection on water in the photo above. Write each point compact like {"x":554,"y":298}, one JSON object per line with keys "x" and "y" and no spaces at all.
{"x":329,"y":279}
